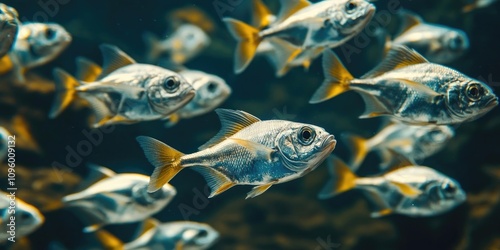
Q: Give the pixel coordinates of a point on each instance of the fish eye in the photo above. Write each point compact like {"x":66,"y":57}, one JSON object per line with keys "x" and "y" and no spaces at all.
{"x":50,"y":34}
{"x":202,"y":233}
{"x":306,"y":135}
{"x":474,"y":92}
{"x":212,"y":87}
{"x":449,"y":188}
{"x":456,"y":42}
{"x":171,"y":84}
{"x":350,"y":7}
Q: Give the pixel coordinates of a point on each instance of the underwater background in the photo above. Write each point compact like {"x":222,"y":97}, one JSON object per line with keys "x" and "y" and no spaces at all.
{"x":289,"y":215}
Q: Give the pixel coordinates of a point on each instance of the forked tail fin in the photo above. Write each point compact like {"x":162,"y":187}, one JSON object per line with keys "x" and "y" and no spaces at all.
{"x":64,"y":93}
{"x":248,"y":40}
{"x":342,"y":179}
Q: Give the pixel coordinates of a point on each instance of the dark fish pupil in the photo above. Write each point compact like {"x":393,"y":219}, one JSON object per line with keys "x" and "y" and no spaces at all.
{"x":306,"y":134}
{"x":474,"y":92}
{"x":170,"y":83}
{"x":211,"y":87}
{"x":351,"y":6}
{"x":202,"y":233}
{"x":50,"y":34}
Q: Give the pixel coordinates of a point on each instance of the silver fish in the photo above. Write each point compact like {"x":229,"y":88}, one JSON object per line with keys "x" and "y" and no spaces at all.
{"x":186,"y":235}
{"x":117,"y":199}
{"x":414,"y":191}
{"x":413,"y":142}
{"x":246,"y":151}
{"x":4,"y":143}
{"x":37,"y":44}
{"x":320,"y":25}
{"x":9,"y":26}
{"x":477,"y":4}
{"x":211,"y":91}
{"x":437,"y":43}
{"x":186,"y":42}
{"x":411,"y":89}
{"x":27,"y":217}
{"x":126,"y":91}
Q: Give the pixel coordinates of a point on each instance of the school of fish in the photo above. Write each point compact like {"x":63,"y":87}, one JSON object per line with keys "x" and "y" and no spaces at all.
{"x":422,"y":100}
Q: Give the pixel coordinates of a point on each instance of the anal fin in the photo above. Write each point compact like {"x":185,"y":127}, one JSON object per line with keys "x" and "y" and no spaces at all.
{"x":373,"y":107}
{"x":216,"y":180}
{"x":258,"y":190}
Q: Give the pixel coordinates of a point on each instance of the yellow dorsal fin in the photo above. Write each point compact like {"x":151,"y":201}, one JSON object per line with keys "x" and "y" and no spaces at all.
{"x":231,"y":121}
{"x":261,"y":15}
{"x":398,"y":57}
{"x":87,"y":70}
{"x":289,"y":7}
{"x":113,"y":59}
{"x":409,"y":20}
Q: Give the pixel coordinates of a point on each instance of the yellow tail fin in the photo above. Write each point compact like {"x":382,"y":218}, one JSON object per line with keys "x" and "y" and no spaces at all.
{"x":336,"y":81}
{"x":166,"y":160}
{"x":65,"y":91}
{"x":359,"y":150}
{"x":248,"y":40}
{"x":343,"y":179}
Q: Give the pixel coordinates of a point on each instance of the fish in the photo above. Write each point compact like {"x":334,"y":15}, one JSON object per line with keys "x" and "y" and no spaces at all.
{"x":211,"y":91}
{"x":117,"y":199}
{"x":246,"y":151}
{"x":87,"y":70}
{"x":437,"y":43}
{"x":27,"y":217}
{"x":36,"y":44}
{"x":320,"y":25}
{"x":125,"y":92}
{"x":4,"y":143}
{"x":9,"y":26}
{"x":185,"y":43}
{"x":410,"y":89}
{"x":415,"y":191}
{"x":477,"y":4}
{"x":414,"y":142}
{"x":171,"y":235}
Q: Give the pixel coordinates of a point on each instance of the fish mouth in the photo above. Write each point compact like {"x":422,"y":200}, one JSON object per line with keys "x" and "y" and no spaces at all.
{"x":492,"y":103}
{"x":329,"y":143}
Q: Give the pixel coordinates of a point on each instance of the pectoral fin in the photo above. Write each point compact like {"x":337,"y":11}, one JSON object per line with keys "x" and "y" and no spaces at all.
{"x":258,"y":190}
{"x":216,"y":180}
{"x":406,"y":189}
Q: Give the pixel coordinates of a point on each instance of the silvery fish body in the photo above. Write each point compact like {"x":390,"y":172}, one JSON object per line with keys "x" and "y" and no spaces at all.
{"x":9,"y":24}
{"x":176,"y":235}
{"x":247,"y":151}
{"x":323,"y":24}
{"x":39,"y":43}
{"x":439,"y":193}
{"x":186,"y":42}
{"x":415,"y":142}
{"x":410,"y":89}
{"x":120,"y":198}
{"x":4,"y":143}
{"x":27,"y":217}
{"x":211,"y":91}
{"x":437,"y":43}
{"x":126,"y":91}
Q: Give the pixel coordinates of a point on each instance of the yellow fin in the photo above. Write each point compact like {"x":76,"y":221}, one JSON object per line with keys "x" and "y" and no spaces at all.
{"x":6,"y":64}
{"x":359,"y":149}
{"x":399,"y":56}
{"x":409,"y":20}
{"x":397,"y":160}
{"x":258,"y":190}
{"x":172,"y":120}
{"x":284,"y":54}
{"x":406,"y":189}
{"x":381,"y":213}
{"x":87,"y":70}
{"x":248,"y":40}
{"x":113,"y":59}
{"x":342,"y":179}
{"x":289,"y":7}
{"x":65,"y":91}
{"x":116,"y":119}
{"x":260,"y":14}
{"x":216,"y":180}
{"x":165,"y":159}
{"x":108,"y":240}
{"x":231,"y":121}
{"x":337,"y":78}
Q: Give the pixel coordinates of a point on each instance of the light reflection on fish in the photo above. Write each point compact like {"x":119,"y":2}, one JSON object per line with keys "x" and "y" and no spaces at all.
{"x":246,"y":151}
{"x":9,"y":26}
{"x":414,"y":191}
{"x":410,"y":89}
{"x":27,"y":217}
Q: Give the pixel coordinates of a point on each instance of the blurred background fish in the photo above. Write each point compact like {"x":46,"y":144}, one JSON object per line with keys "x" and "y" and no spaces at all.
{"x":27,"y":218}
{"x":9,"y":26}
